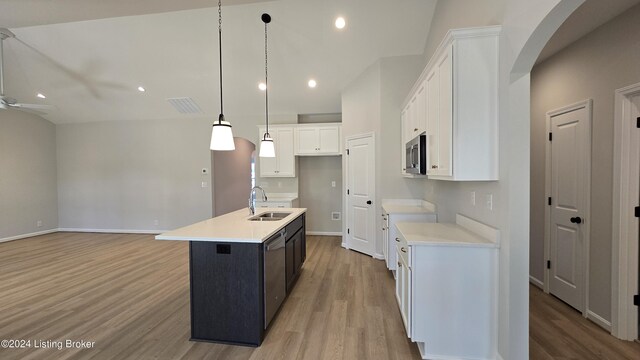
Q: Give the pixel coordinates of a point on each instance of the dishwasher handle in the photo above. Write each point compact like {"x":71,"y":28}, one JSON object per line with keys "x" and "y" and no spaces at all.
{"x":277,"y":243}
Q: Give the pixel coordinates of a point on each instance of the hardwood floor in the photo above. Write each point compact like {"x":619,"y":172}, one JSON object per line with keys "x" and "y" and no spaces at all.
{"x":557,"y":331}
{"x":130,"y":294}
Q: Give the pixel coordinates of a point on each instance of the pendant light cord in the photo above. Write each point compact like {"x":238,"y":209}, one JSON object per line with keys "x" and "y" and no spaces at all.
{"x":221,"y":117}
{"x":266,"y":91}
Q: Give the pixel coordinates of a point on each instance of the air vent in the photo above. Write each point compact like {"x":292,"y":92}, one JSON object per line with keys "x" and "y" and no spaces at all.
{"x":185,"y":105}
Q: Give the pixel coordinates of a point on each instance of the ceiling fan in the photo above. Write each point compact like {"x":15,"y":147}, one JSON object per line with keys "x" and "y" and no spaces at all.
{"x":6,"y":101}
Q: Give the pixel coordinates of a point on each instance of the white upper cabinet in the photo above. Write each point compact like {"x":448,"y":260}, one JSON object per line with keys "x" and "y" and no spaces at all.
{"x":317,"y":139}
{"x":284,"y":164}
{"x":459,"y":107}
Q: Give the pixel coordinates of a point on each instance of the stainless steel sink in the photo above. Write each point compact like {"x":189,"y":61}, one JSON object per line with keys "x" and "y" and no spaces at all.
{"x":270,"y":216}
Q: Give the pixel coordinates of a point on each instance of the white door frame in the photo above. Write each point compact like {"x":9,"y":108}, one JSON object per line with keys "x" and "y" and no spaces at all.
{"x":624,"y":278}
{"x":345,"y":180}
{"x":588,"y":105}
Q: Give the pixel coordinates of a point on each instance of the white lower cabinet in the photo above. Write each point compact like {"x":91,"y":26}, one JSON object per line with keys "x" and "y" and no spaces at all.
{"x":447,"y":296}
{"x":390,"y":232}
{"x":278,"y":203}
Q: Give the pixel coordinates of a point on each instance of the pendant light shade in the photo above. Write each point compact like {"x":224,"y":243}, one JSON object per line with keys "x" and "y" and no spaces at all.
{"x":267,"y":147}
{"x":221,"y":134}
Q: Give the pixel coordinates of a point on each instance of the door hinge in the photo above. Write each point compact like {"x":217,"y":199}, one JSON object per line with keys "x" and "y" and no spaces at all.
{"x":550,"y":136}
{"x":636,"y":300}
{"x":638,"y":122}
{"x":348,"y":231}
{"x":347,"y":151}
{"x":549,"y":200}
{"x":637,"y":212}
{"x":548,"y":264}
{"x":347,"y":191}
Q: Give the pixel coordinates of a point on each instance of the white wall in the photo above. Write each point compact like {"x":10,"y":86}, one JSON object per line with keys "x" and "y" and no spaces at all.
{"x":316,"y":193}
{"x":28,"y":183}
{"x":592,"y":68}
{"x":124,"y":175}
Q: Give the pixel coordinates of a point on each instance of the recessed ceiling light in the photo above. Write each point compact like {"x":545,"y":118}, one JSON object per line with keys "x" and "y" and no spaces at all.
{"x":312,"y":83}
{"x":340,"y":22}
{"x":262,"y":86}
{"x":41,"y":96}
{"x":141,"y":89}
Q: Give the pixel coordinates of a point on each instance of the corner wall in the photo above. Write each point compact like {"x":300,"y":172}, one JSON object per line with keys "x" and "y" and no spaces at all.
{"x":591,"y":68}
{"x":28,"y":182}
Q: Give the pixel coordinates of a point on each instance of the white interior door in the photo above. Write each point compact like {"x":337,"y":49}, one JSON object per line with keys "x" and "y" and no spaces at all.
{"x":361,"y":212}
{"x":570,"y":148}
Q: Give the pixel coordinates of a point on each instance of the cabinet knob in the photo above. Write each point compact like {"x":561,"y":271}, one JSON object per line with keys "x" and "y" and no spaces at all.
{"x":576,"y":220}
{"x":434,"y":166}
{"x":415,"y":129}
{"x":404,"y":169}
{"x":403,"y":250}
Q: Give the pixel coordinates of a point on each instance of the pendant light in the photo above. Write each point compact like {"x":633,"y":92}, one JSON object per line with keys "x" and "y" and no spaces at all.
{"x":221,"y":134}
{"x":267,"y":148}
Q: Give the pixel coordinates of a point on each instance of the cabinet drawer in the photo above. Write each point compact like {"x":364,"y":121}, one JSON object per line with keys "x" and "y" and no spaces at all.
{"x":273,"y":204}
{"x":294,"y":226}
{"x":404,"y":250}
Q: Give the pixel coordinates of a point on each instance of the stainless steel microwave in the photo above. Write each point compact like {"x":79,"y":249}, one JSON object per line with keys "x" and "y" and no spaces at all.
{"x":416,"y":159}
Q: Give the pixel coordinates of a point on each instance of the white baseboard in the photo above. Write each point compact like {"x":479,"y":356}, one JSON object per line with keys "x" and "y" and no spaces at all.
{"x":112,"y":231}
{"x":324,"y":233}
{"x":378,"y":256}
{"x":536,"y":282}
{"x":24,"y":236}
{"x":599,"y":320}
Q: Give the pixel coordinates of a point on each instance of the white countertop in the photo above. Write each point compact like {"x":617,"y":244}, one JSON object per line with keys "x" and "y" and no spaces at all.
{"x":406,"y":209}
{"x":234,"y":227}
{"x":442,"y":234}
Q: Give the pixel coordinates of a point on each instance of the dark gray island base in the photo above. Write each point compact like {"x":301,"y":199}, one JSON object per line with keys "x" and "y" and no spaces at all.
{"x":229,"y":284}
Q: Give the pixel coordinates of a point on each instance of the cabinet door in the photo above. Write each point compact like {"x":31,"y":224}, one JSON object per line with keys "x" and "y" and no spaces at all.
{"x":297,"y":252}
{"x":433,"y":101}
{"x":445,"y":113}
{"x":399,"y":279}
{"x":406,"y":296}
{"x":307,"y":141}
{"x":290,"y":270}
{"x":421,"y":109}
{"x":403,"y":137}
{"x":284,"y":153}
{"x":329,"y":140}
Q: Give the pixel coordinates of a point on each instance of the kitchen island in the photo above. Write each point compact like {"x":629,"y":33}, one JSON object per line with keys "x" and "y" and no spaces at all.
{"x":241,"y":268}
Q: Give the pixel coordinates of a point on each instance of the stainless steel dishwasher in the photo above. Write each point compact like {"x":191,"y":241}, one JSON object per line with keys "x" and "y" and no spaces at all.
{"x":275,"y":288}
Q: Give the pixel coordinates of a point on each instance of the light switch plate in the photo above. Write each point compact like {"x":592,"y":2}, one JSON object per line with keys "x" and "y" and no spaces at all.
{"x":489,"y":201}
{"x":205,"y":184}
{"x":333,"y":184}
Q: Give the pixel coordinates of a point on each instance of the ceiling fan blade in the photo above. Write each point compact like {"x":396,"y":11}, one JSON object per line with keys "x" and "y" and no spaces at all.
{"x":33,"y":106}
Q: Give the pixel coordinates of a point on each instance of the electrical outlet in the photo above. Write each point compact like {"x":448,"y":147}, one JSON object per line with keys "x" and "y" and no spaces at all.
{"x":489,"y":201}
{"x":205,"y":184}
{"x":39,"y":223}
{"x":156,"y":222}
{"x":335,"y":215}
{"x":473,"y":198}
{"x":333,"y":184}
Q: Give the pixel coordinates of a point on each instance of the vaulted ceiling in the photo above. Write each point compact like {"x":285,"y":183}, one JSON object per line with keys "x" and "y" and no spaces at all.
{"x":89,"y":57}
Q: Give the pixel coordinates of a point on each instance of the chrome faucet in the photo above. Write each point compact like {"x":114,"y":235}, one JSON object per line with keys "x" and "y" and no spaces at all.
{"x":252,"y":198}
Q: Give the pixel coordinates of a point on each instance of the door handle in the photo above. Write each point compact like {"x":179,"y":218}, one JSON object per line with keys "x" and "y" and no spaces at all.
{"x":368,"y":202}
{"x":576,"y":220}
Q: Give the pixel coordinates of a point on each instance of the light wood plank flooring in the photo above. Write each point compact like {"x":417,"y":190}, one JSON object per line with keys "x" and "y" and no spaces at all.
{"x":130,"y":294}
{"x":557,"y":331}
